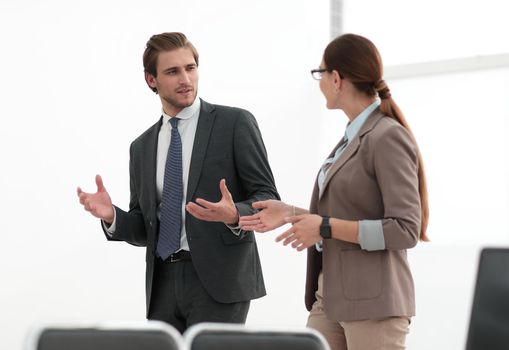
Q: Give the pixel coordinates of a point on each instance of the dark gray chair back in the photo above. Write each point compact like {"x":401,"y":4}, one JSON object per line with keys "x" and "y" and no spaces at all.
{"x":489,"y":319}
{"x":217,"y":336}
{"x":151,"y":335}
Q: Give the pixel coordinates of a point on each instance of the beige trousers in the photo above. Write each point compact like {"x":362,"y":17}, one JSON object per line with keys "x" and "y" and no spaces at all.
{"x":382,"y":334}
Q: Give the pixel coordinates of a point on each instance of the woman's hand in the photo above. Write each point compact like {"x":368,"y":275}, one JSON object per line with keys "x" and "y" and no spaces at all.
{"x":272,"y":215}
{"x":304,"y":233}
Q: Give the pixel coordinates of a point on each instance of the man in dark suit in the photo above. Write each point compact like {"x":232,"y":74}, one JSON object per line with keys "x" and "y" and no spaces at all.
{"x":192,"y":174}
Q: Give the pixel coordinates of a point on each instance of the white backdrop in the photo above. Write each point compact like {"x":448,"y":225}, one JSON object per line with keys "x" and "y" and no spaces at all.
{"x":73,"y":98}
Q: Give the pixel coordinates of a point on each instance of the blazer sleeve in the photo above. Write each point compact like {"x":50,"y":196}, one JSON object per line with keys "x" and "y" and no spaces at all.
{"x":130,"y":226}
{"x":252,"y":164}
{"x":396,"y":169}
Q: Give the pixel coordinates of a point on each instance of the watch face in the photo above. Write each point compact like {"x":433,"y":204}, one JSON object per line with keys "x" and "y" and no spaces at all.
{"x":325,"y":232}
{"x":325,"y":229}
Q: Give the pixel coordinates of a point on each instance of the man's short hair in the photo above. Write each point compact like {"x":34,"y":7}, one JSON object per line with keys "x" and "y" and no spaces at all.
{"x":161,"y":43}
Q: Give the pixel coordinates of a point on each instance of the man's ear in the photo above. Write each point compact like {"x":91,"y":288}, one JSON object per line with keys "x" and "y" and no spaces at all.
{"x":151,"y":81}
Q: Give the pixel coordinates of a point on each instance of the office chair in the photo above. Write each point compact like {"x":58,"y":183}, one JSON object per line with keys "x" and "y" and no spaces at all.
{"x":147,"y":335}
{"x":489,"y":319}
{"x":223,"y":336}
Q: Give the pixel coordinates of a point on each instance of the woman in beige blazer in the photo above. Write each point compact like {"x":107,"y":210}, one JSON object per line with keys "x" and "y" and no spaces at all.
{"x":369,"y":205}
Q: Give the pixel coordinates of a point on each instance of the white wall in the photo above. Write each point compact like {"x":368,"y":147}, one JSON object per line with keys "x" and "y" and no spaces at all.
{"x":73,"y":98}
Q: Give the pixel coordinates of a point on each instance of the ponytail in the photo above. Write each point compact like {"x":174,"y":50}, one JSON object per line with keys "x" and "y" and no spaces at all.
{"x":390,"y":108}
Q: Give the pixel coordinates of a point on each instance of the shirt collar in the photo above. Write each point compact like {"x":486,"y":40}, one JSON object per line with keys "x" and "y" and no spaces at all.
{"x":354,"y":126}
{"x":186,"y":113}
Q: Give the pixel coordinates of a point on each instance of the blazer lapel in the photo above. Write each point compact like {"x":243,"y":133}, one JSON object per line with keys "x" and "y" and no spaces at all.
{"x":352,"y":146}
{"x":201,"y":141}
{"x":313,"y":205}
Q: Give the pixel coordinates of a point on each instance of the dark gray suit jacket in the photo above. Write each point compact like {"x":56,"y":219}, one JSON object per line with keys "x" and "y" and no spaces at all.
{"x":228,"y":145}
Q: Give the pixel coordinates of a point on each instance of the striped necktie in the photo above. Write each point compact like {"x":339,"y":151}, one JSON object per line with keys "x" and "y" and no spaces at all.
{"x":171,"y":202}
{"x":329,"y":161}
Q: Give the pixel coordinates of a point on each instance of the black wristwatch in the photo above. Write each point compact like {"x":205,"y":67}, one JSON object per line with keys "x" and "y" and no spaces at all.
{"x":325,"y":230}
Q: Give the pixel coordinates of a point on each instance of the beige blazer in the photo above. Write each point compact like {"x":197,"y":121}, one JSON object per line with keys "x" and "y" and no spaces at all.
{"x":374,"y":178}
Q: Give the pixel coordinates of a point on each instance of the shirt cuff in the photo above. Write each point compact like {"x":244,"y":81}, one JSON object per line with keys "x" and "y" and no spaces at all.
{"x":236,"y":230}
{"x":319,"y":246}
{"x":371,"y":235}
{"x":110,"y":230}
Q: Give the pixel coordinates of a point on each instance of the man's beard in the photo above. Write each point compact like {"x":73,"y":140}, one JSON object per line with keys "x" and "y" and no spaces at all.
{"x":179,"y":105}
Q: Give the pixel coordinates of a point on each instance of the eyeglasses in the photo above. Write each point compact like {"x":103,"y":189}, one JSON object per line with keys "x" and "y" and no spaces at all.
{"x":317,"y":73}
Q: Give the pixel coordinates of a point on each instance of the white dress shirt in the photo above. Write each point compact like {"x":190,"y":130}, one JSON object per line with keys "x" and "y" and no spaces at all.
{"x":187,"y":129}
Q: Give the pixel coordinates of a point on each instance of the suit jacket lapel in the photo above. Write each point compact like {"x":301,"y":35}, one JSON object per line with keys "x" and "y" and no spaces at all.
{"x":201,"y":141}
{"x":151,"y":163}
{"x":352,"y":147}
